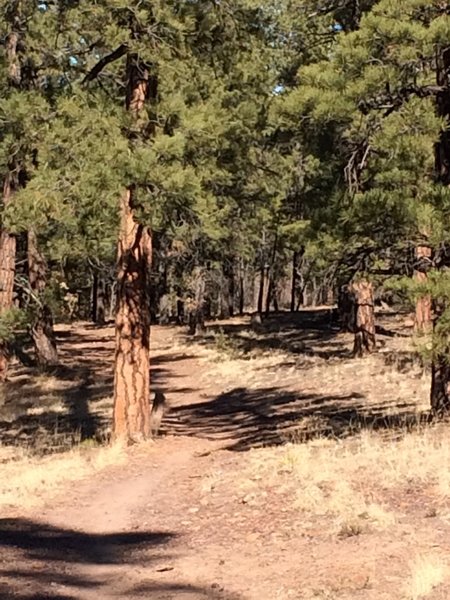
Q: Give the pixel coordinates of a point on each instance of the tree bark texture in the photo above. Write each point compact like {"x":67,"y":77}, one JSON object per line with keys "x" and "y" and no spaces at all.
{"x":197,"y":310}
{"x":132,"y":360}
{"x":440,"y":367}
{"x":98,"y":299}
{"x":365,"y":340}
{"x":7,"y":274}
{"x":347,"y":309}
{"x":131,"y":418}
{"x":423,"y":316}
{"x":42,"y":326}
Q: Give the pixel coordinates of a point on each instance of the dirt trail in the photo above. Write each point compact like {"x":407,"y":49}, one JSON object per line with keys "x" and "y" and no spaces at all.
{"x":125,"y":534}
{"x":187,"y":518}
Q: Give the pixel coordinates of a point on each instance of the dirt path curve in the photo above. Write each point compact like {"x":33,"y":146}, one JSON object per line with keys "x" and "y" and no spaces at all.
{"x":125,"y":535}
{"x":127,"y":532}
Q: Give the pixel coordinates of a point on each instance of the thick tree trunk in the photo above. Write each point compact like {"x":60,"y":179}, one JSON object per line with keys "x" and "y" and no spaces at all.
{"x":440,"y":367}
{"x":423,"y":316}
{"x":365,"y":340}
{"x":42,"y":327}
{"x":132,"y":361}
{"x":131,"y":419}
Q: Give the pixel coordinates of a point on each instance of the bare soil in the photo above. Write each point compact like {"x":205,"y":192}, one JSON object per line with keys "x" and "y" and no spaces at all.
{"x":267,"y":481}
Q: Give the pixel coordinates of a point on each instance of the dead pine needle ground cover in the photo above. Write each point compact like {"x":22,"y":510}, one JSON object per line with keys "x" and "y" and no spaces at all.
{"x":284,"y":469}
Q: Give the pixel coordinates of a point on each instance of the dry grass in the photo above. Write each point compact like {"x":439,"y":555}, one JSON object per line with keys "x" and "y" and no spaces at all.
{"x":426,"y":573}
{"x":27,"y":481}
{"x":348,"y":485}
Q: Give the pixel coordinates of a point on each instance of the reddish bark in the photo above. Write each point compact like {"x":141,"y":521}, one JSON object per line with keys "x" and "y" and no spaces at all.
{"x":423,"y":316}
{"x":365,"y":341}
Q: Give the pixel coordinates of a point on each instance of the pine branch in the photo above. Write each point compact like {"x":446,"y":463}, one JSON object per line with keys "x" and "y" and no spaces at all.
{"x":103,"y":62}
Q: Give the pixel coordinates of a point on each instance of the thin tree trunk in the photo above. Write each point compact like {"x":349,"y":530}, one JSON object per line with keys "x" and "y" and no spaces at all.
{"x":365,"y":340}
{"x":94,"y":296}
{"x":7,"y":273}
{"x":241,"y":289}
{"x":231,"y":290}
{"x":42,"y":327}
{"x":423,"y":317}
{"x":294,"y":281}
{"x":261,"y":290}
{"x":440,"y":368}
{"x":131,"y":419}
{"x":98,"y":299}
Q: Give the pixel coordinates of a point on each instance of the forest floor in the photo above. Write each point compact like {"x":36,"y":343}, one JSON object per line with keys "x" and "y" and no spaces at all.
{"x":285,"y":469}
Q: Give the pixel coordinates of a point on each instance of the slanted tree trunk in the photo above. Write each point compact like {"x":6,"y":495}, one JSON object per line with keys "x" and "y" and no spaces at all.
{"x":262,"y":280}
{"x":423,"y":317}
{"x":131,"y":419}
{"x":365,"y":340}
{"x":42,"y":326}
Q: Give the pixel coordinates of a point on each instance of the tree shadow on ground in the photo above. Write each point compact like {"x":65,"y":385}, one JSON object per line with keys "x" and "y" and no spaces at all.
{"x":247,"y":418}
{"x":44,"y":561}
{"x":53,"y":411}
{"x":312,"y":333}
{"x":306,"y":332}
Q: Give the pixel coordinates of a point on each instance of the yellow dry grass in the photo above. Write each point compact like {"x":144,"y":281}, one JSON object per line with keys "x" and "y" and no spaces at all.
{"x":27,"y":481}
{"x":347,"y":484}
{"x":426,"y":573}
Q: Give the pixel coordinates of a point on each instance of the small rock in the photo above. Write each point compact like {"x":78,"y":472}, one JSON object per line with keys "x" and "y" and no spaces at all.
{"x":193,"y":510}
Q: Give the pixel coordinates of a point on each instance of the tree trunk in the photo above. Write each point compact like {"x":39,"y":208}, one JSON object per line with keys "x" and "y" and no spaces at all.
{"x":347,"y":309}
{"x":131,"y":419}
{"x":94,"y":296}
{"x":132,"y":361}
{"x":365,"y":318}
{"x":423,"y":316}
{"x":7,"y":273}
{"x":440,"y":385}
{"x":197,"y":312}
{"x":232,"y":291}
{"x":440,"y":367}
{"x":241,"y":289}
{"x":42,"y":327}
{"x":261,"y":290}
{"x":294,"y":281}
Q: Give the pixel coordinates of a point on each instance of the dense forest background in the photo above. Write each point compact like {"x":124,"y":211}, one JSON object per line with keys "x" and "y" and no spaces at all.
{"x":233,"y":156}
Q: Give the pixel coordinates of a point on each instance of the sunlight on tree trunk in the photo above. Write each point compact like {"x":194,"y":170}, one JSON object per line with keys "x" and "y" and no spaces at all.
{"x":132,"y":361}
{"x":131,"y":419}
{"x":365,"y":318}
{"x":7,"y":273}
